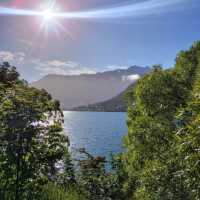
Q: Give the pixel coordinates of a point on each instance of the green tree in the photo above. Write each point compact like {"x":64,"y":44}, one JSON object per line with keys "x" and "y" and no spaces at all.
{"x":96,"y":181}
{"x":32,"y":143}
{"x":187,"y":133}
{"x":150,"y":123}
{"x":162,"y":146}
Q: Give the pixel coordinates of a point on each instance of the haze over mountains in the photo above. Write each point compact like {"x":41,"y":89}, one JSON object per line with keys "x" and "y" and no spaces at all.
{"x":85,"y":89}
{"x":115,"y":104}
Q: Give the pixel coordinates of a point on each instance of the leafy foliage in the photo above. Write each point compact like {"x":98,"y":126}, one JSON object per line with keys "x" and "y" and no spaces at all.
{"x":52,"y":192}
{"x":96,"y":181}
{"x":162,"y":160}
{"x":31,"y":140}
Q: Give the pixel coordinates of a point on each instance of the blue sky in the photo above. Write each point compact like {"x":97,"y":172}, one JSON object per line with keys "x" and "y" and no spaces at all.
{"x":117,"y":34}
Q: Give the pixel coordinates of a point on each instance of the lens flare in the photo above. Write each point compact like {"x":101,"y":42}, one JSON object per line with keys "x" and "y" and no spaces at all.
{"x":47,"y":14}
{"x":126,"y":10}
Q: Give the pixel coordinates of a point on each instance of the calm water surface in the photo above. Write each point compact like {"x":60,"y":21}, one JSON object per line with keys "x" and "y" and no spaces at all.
{"x":100,"y":133}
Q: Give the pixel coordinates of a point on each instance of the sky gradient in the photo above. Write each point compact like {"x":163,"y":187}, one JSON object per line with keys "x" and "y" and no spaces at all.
{"x":101,"y":35}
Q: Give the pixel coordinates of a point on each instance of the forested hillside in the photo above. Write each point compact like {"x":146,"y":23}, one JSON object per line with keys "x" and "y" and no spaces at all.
{"x":161,"y":160}
{"x":115,"y":104}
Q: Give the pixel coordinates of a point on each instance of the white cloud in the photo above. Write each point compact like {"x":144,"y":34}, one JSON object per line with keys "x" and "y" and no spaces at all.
{"x":26,"y":43}
{"x":45,"y":67}
{"x":8,"y":56}
{"x":20,"y":56}
{"x":60,"y":67}
{"x":58,"y":63}
{"x":131,"y":78}
{"x":57,"y":66}
{"x":114,"y":67}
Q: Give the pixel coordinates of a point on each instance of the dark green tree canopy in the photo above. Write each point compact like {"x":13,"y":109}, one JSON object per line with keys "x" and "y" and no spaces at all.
{"x":162,"y":156}
{"x":32,"y":142}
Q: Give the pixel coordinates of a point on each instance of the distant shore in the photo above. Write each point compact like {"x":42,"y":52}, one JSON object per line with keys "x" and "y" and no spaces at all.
{"x":75,"y":110}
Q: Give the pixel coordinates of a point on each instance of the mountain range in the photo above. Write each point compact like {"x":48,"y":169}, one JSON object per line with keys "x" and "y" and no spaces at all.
{"x":78,"y":91}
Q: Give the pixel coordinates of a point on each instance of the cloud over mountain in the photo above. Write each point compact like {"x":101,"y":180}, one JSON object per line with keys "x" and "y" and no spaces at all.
{"x":131,"y":78}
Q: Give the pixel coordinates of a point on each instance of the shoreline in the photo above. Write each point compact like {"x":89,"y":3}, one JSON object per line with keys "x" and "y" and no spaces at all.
{"x":67,"y":110}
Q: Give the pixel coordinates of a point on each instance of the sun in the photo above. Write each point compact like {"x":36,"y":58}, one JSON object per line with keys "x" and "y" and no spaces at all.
{"x":49,"y":18}
{"x":47,"y":14}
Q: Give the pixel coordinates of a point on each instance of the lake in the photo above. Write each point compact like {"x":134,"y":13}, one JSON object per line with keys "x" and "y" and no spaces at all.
{"x":100,"y":133}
